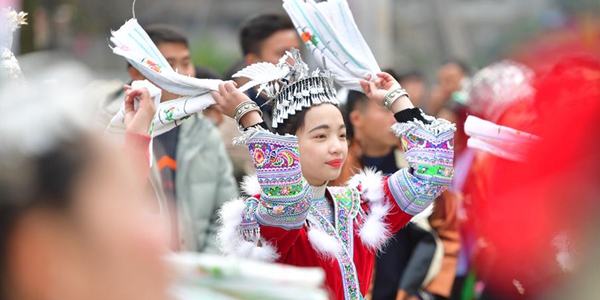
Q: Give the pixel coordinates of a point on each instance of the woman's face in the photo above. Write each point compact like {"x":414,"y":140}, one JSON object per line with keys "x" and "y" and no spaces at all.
{"x":105,"y":246}
{"x":322,"y":144}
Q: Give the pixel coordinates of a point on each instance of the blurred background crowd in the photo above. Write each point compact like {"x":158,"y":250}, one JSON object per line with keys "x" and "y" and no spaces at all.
{"x":404,"y":35}
{"x":498,"y":233}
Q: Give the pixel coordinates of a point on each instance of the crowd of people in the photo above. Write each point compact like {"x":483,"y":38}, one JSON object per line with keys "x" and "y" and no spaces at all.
{"x":482,"y":186}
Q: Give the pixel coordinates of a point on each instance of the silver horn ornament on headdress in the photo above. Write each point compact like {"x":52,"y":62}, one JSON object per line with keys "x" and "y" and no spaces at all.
{"x":289,"y":85}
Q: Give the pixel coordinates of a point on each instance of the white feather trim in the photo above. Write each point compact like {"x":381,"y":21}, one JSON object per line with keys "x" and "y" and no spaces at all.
{"x":325,"y":245}
{"x":260,"y":74}
{"x":265,"y":252}
{"x":436,"y":127}
{"x":231,"y":242}
{"x":371,"y":183}
{"x":565,"y":261}
{"x":375,"y":232}
{"x":230,"y":217}
{"x":250,"y":185}
{"x":249,"y":134}
{"x":564,"y":253}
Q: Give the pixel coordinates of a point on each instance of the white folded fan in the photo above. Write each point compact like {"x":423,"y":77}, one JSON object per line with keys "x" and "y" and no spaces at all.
{"x":205,"y":276}
{"x":134,"y":44}
{"x":330,"y":33}
{"x":501,"y":141}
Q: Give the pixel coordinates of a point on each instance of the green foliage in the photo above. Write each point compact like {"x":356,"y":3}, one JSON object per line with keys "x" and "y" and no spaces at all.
{"x":208,"y":54}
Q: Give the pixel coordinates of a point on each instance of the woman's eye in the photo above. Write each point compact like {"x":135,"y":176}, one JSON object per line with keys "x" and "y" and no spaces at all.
{"x":343,"y":136}
{"x":321,"y":136}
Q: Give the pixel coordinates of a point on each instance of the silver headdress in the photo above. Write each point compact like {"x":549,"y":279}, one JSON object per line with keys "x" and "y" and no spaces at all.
{"x":10,"y":72}
{"x":497,"y":87}
{"x":290,"y":87}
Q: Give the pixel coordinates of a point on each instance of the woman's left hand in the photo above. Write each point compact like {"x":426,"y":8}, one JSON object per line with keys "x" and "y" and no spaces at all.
{"x":377,"y":89}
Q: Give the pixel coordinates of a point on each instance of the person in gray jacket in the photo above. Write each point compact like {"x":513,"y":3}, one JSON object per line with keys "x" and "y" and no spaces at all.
{"x":195,"y":170}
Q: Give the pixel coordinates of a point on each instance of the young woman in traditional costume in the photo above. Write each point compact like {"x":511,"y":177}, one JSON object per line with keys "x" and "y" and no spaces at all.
{"x":290,"y":215}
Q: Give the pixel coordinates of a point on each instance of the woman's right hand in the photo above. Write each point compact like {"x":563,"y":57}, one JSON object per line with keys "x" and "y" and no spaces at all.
{"x":229,"y":97}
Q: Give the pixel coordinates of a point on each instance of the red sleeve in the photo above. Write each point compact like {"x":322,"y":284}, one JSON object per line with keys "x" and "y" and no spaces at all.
{"x":282,"y":239}
{"x":396,"y":218}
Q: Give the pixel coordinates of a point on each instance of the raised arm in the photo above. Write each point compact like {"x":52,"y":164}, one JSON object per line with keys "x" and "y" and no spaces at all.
{"x":276,"y":215}
{"x":429,"y":150}
{"x":137,"y":125}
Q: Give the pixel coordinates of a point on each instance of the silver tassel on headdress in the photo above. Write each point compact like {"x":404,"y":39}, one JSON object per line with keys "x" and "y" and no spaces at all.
{"x":10,"y":72}
{"x":288,"y":86}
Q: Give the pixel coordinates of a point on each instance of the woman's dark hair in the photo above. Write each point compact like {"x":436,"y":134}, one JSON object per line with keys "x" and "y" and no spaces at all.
{"x":41,"y":181}
{"x":292,"y":124}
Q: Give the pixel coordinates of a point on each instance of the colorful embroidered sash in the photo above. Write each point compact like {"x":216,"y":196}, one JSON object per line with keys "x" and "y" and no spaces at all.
{"x":346,"y":207}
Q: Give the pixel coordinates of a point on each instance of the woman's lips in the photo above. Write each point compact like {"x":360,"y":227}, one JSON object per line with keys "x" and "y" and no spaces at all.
{"x":336,"y":163}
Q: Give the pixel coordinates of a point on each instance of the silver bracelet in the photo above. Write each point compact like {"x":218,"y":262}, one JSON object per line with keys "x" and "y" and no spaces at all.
{"x":392,"y":96}
{"x":243,"y":108}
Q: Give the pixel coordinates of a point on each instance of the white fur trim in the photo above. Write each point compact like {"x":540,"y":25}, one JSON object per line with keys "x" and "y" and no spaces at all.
{"x":230,"y":217}
{"x":435,"y":127}
{"x":246,"y":136}
{"x":564,"y":252}
{"x":565,"y":261}
{"x":250,"y":185}
{"x":374,"y":231}
{"x":265,"y":253}
{"x":325,"y":245}
{"x":231,"y":242}
{"x":371,"y":183}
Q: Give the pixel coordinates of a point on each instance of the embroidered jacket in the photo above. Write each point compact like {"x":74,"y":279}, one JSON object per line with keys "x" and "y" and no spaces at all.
{"x":279,"y":224}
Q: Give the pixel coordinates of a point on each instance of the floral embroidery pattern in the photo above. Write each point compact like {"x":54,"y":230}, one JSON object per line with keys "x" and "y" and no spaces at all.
{"x":430,"y":157}
{"x":286,"y":190}
{"x":287,"y":208}
{"x":346,"y":207}
{"x":283,"y":158}
{"x":259,"y":157}
{"x":169,"y":113}
{"x":284,"y":199}
{"x":307,"y":38}
{"x":272,"y":156}
{"x":152,"y":65}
